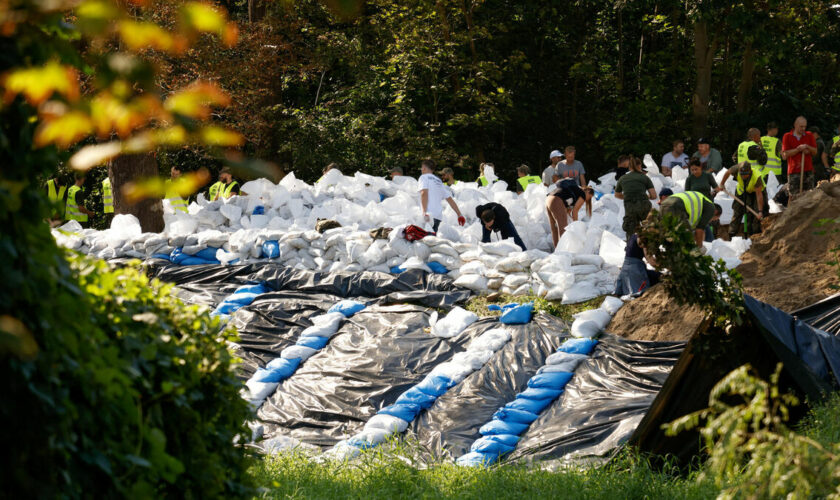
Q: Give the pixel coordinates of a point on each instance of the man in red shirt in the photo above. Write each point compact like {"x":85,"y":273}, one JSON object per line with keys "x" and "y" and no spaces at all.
{"x":795,"y":144}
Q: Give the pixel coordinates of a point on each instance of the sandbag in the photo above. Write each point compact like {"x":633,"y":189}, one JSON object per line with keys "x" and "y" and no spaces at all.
{"x":454,"y":323}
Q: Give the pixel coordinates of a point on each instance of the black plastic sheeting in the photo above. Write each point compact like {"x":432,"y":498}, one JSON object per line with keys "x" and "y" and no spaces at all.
{"x":603,"y":403}
{"x":824,"y":315}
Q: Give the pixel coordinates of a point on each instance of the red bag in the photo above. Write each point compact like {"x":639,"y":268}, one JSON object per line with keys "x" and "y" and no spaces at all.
{"x":414,"y":233}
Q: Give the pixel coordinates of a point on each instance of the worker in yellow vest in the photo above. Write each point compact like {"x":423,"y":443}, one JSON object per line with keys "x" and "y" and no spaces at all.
{"x":56,"y":194}
{"x":773,"y":147}
{"x":750,"y":190}
{"x":177,"y":203}
{"x":75,"y":208}
{"x":107,"y":200}
{"x":448,"y":177}
{"x":693,"y":208}
{"x":752,"y":152}
{"x":835,"y":152}
{"x":525,"y":178}
{"x":226,"y":187}
{"x":482,"y":180}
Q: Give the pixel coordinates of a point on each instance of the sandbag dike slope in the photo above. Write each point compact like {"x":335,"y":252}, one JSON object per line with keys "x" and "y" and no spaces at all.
{"x":788,"y":264}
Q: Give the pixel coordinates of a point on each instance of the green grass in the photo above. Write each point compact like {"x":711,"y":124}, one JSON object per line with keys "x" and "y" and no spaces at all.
{"x":479,"y":305}
{"x":821,"y":424}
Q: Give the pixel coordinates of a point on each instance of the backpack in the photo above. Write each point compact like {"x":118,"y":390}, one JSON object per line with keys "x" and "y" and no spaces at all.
{"x":414,"y":233}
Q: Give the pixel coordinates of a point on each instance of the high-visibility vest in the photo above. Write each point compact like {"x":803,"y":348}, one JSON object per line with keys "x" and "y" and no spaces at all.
{"x":483,"y":181}
{"x":528,"y":179}
{"x":56,"y":196}
{"x":774,"y":162}
{"x":215,"y":189}
{"x":693,"y":205}
{"x":452,"y":183}
{"x":742,"y":154}
{"x":226,"y":192}
{"x":107,"y":196}
{"x":756,"y":175}
{"x":175,"y":201}
{"x":72,"y":211}
{"x":837,"y":155}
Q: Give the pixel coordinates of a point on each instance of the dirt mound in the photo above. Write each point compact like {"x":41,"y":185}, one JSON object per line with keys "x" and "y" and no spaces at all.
{"x":655,"y":316}
{"x":787,"y":265}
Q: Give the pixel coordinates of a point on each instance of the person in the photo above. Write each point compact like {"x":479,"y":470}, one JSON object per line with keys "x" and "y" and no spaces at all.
{"x":396,"y":172}
{"x":699,"y":180}
{"x":432,"y":193}
{"x":107,"y":200}
{"x":750,"y":191}
{"x":524,"y":178}
{"x":798,"y":146}
{"x":448,"y":177}
{"x":634,"y":276}
{"x":177,"y":203}
{"x":551,"y":170}
{"x":834,"y":152}
{"x":570,"y":168}
{"x":622,"y":167}
{"x":230,"y":187}
{"x":820,"y":160}
{"x":57,"y":195}
{"x":773,"y":148}
{"x":495,"y":217}
{"x":664,"y":193}
{"x":482,"y":180}
{"x":693,"y":209}
{"x":752,"y":152}
{"x":636,"y":189}
{"x":710,"y":158}
{"x":674,"y":158}
{"x":75,"y":208}
{"x":566,"y":201}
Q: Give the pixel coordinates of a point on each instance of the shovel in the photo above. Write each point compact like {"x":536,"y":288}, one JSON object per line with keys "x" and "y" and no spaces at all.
{"x":742,"y":203}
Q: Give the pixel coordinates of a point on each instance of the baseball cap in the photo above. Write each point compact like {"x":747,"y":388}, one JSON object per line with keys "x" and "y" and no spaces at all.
{"x":702,"y":140}
{"x":665,"y":192}
{"x":397,"y":170}
{"x":555,"y":154}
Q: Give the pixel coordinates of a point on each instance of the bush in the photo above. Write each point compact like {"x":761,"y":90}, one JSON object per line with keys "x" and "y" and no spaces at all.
{"x":130,"y":393}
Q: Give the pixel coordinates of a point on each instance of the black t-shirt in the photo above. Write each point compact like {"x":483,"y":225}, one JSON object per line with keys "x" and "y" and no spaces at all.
{"x":619,"y":171}
{"x":569,"y":192}
{"x":633,"y":249}
{"x":502,"y":215}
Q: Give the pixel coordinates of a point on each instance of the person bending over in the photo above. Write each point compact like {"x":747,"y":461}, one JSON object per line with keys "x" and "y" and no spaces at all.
{"x":566,"y":201}
{"x":495,"y":217}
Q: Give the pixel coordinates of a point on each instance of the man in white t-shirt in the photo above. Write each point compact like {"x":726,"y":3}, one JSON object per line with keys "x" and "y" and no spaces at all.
{"x":676,"y":158}
{"x":432,"y":193}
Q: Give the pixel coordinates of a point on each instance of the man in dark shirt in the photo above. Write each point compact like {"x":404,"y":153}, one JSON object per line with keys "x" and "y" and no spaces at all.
{"x":495,"y":217}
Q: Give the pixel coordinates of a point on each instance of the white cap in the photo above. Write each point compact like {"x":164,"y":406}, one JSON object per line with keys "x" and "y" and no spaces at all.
{"x":555,"y":154}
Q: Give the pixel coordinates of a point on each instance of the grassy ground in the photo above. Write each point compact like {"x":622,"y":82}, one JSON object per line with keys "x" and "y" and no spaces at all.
{"x":479,"y":305}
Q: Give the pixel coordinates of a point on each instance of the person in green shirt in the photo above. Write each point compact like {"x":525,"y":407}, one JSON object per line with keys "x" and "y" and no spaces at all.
{"x":700,"y":181}
{"x":710,"y":158}
{"x":636,"y":189}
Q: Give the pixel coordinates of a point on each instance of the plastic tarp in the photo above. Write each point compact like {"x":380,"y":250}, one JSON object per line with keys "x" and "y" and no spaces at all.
{"x":824,"y":314}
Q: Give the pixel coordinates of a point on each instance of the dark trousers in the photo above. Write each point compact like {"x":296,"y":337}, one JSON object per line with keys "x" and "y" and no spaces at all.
{"x":738,"y":211}
{"x":435,"y":225}
{"x":507,"y":230}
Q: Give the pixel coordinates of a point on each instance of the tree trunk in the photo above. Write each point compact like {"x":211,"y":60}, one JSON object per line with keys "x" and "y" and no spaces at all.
{"x":256,"y":10}
{"x":130,"y":168}
{"x":747,"y":72}
{"x":704,"y":52}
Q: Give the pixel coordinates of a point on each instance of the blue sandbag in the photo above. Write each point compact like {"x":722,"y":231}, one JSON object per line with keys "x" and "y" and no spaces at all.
{"x":550,"y":380}
{"x":490,"y":447}
{"x":508,"y":439}
{"x":347,"y":307}
{"x":518,"y":315}
{"x":271,"y":249}
{"x":195,"y":261}
{"x":475,"y":459}
{"x":405,"y":411}
{"x":437,"y":267}
{"x":285,"y":367}
{"x":255,"y":288}
{"x":496,"y":307}
{"x":578,"y":346}
{"x":208,"y":253}
{"x":540,"y":393}
{"x":397,"y":270}
{"x":435,"y":385}
{"x":258,"y":210}
{"x":418,"y":397}
{"x":263,"y":375}
{"x":501,"y":427}
{"x":241,"y":299}
{"x":515,"y":415}
{"x":313,"y":342}
{"x":361,"y":444}
{"x":534,"y":406}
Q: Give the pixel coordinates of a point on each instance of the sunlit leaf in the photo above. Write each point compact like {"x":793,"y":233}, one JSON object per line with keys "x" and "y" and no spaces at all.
{"x":96,"y":154}
{"x":39,"y":83}
{"x":94,"y":16}
{"x":140,"y":35}
{"x":65,"y":130}
{"x":16,"y":338}
{"x":155,"y":187}
{"x":218,"y":136}
{"x":110,"y":114}
{"x":196,"y":100}
{"x":345,"y":9}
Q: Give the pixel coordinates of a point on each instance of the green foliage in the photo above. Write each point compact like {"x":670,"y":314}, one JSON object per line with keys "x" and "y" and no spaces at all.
{"x":752,"y":452}
{"x":694,"y":279}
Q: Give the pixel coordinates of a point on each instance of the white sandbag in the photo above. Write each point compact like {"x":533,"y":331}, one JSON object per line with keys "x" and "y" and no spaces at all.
{"x":585,"y":329}
{"x":373,"y":435}
{"x":415,"y":263}
{"x":555,"y":293}
{"x":231,"y":211}
{"x":571,"y":242}
{"x":587,"y":259}
{"x":472,"y":359}
{"x":584,"y":270}
{"x":612,"y":249}
{"x":612,"y":304}
{"x":494,"y":283}
{"x":599,"y":316}
{"x":474,"y":282}
{"x":565,"y":361}
{"x":297,"y":352}
{"x":516,"y":280}
{"x":474,"y":267}
{"x":580,"y":292}
{"x":260,"y":390}
{"x":491,"y":340}
{"x":451,"y":370}
{"x":510,"y":265}
{"x":502,"y":248}
{"x":454,"y":322}
{"x":387,"y":423}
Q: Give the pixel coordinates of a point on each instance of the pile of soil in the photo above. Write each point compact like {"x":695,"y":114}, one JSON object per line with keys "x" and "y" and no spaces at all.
{"x":655,"y":316}
{"x":787,"y":265}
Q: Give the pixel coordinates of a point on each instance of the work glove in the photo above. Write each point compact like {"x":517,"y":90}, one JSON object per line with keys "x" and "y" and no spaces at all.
{"x":461,"y":220}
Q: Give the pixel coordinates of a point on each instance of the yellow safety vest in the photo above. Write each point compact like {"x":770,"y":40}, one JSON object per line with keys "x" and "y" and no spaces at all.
{"x":107,"y":196}
{"x":483,"y":181}
{"x":215,"y":189}
{"x":693,"y":205}
{"x":72,"y":211}
{"x":774,"y":162}
{"x":756,"y":175}
{"x":56,"y":196}
{"x":175,"y":201}
{"x":742,"y":154}
{"x":226,"y":192}
{"x":528,"y":179}
{"x":452,"y":183}
{"x":837,"y":155}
